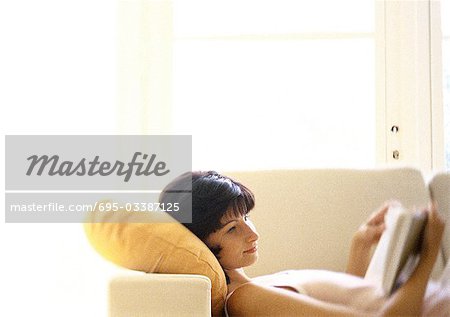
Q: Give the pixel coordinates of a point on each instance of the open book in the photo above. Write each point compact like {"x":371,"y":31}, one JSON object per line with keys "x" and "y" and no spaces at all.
{"x":398,"y":250}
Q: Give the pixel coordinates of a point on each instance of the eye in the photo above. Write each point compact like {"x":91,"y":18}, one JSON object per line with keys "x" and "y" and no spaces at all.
{"x":246,"y":217}
{"x":231,"y":229}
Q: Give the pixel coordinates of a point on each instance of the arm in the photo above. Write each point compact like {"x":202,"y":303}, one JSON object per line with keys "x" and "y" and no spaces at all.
{"x":408,"y":299}
{"x":255,"y":300}
{"x":364,"y":239}
{"x":251,"y":299}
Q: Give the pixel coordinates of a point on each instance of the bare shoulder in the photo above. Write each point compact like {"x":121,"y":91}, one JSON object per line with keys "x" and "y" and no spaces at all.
{"x":251,"y":299}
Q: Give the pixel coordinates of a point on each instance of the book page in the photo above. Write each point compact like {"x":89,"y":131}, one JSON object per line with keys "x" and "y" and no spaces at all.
{"x":410,"y":253}
{"x":399,"y":241}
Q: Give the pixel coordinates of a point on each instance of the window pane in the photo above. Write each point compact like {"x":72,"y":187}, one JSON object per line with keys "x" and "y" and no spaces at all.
{"x":445,"y":18}
{"x":272,"y":104}
{"x":445,"y":9}
{"x":446,"y":72}
{"x":233,"y":17}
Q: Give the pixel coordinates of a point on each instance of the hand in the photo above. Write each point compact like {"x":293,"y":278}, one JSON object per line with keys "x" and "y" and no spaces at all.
{"x":369,"y":233}
{"x":408,"y":299}
{"x":365,"y":237}
{"x":434,"y":230}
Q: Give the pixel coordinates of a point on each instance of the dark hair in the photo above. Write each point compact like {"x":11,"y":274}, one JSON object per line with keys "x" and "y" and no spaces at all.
{"x":213,"y":195}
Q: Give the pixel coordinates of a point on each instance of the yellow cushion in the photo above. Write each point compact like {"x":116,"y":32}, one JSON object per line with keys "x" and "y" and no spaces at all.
{"x":155,"y":247}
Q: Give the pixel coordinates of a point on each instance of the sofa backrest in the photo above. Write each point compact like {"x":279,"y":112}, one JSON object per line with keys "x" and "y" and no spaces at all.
{"x":306,"y":218}
{"x":440,"y":191}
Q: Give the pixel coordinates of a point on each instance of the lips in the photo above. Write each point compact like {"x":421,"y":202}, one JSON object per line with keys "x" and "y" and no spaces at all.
{"x":252,"y":250}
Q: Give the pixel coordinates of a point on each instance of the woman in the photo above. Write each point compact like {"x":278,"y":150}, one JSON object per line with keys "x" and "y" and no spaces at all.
{"x":220,"y":208}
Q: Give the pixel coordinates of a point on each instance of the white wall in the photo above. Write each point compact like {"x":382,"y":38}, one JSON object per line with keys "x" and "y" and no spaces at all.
{"x":58,"y":76}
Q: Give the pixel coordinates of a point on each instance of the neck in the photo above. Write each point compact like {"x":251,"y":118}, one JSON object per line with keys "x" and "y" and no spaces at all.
{"x":237,"y":278}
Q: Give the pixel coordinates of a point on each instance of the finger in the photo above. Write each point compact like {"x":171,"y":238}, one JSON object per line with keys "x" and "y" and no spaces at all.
{"x":431,"y":211}
{"x":378,"y":216}
{"x":433,"y":206}
{"x":434,"y":214}
{"x":375,"y":232}
{"x":378,"y":230}
{"x":435,"y":221}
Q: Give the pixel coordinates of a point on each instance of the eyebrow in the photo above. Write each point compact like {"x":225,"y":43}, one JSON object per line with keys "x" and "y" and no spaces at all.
{"x":228,"y":222}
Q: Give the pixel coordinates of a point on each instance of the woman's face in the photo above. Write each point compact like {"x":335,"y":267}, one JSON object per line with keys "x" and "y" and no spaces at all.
{"x":238,"y":241}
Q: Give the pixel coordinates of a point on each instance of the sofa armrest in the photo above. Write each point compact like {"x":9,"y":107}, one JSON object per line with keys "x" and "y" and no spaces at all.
{"x":141,"y":294}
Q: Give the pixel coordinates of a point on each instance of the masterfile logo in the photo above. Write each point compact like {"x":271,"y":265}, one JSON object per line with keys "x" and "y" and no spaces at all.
{"x":94,"y":167}
{"x":60,"y":178}
{"x":95,"y":162}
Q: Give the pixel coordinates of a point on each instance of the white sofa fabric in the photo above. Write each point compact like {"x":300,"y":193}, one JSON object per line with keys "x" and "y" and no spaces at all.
{"x":139,"y":294}
{"x":305,"y":219}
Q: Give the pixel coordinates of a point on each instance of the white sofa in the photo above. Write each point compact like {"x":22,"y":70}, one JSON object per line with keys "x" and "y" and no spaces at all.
{"x":305,"y":219}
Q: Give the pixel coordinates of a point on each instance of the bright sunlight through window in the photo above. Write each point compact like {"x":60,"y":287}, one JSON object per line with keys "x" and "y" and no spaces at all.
{"x":275,"y":84}
{"x":445,"y":17}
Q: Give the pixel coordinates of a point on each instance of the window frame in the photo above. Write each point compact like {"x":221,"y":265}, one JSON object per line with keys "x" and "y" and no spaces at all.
{"x":409,"y":84}
{"x":408,"y":77}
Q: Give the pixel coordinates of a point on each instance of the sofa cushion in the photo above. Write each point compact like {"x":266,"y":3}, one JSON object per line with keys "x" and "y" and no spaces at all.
{"x":155,"y":243}
{"x":306,"y":218}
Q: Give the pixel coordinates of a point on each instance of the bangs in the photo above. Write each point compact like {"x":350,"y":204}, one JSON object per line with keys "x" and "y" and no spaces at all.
{"x":242,"y":204}
{"x":214,"y":198}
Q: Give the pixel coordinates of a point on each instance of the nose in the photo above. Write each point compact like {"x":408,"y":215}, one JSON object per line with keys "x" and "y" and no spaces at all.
{"x":252,"y":234}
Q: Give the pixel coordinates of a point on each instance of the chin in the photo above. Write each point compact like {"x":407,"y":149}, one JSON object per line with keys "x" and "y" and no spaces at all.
{"x":237,"y":265}
{"x":252,"y":261}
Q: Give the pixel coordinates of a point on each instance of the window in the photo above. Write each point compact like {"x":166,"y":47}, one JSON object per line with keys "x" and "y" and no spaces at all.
{"x":286,"y":84}
{"x":445,"y":20}
{"x":275,"y":84}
